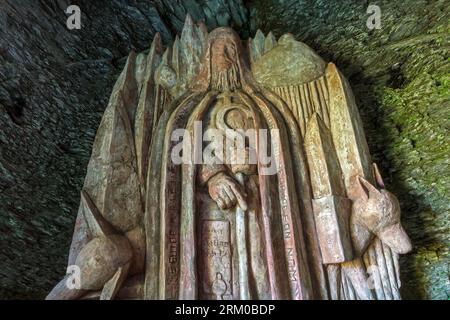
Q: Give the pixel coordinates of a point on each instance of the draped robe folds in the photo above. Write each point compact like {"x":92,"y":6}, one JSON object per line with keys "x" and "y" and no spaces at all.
{"x":286,"y":220}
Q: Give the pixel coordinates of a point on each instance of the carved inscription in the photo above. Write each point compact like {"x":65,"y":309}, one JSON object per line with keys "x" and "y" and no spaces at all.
{"x":172,"y":238}
{"x":288,"y":231}
{"x":216,"y":260}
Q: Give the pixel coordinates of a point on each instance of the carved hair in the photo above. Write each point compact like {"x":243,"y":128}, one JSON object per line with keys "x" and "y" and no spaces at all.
{"x":226,"y":79}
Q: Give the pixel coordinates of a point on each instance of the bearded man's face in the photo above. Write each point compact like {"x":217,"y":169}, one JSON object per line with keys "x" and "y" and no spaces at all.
{"x":223,"y":55}
{"x":225,"y":71}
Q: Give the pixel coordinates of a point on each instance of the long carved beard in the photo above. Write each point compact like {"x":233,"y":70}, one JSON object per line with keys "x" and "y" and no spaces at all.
{"x":227,"y":79}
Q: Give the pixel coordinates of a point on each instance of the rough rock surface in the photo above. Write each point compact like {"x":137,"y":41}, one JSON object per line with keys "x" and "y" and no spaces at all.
{"x":55,"y":84}
{"x":400,"y":77}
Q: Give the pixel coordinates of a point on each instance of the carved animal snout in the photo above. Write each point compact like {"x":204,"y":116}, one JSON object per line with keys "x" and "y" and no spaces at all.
{"x":378,"y":210}
{"x":396,"y":238}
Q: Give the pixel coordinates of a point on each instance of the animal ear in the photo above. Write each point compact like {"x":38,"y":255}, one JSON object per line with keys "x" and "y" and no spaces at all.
{"x":362,"y":192}
{"x":378,"y":177}
{"x":372,"y":191}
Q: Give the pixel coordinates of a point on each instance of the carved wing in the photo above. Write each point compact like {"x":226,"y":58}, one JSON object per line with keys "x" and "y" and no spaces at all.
{"x":321,"y":100}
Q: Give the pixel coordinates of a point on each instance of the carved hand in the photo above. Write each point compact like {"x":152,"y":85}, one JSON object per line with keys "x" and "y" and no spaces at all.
{"x":226,"y":192}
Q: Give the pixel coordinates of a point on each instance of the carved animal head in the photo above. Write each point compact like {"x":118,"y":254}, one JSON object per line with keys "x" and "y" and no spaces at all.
{"x":378,"y":210}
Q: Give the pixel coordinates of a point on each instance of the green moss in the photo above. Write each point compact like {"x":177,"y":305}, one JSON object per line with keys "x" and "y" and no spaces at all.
{"x":417,"y":125}
{"x":420,"y":113}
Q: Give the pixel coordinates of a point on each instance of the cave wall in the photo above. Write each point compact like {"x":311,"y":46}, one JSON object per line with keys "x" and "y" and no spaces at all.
{"x":55,"y":84}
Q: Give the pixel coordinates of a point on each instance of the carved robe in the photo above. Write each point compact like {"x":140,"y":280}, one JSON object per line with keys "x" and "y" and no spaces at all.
{"x":300,"y":235}
{"x":285,"y":272}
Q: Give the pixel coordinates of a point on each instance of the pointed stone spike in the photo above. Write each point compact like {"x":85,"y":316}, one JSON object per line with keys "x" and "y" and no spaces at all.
{"x":259,"y":34}
{"x":128,"y":85}
{"x":331,"y":207}
{"x":140,"y":69}
{"x":97,"y":225}
{"x":176,"y":55}
{"x":270,"y":42}
{"x":131,"y":58}
{"x":153,"y":58}
{"x":146,"y":111}
{"x":188,"y":31}
{"x":256,"y":46}
{"x":127,"y":75}
{"x":259,"y":40}
{"x":154,"y":55}
{"x":190,"y":41}
{"x":131,"y":63}
{"x":202,"y":32}
{"x":156,"y":46}
{"x":347,"y":129}
{"x":188,"y":22}
{"x":166,"y":59}
{"x":189,"y":55}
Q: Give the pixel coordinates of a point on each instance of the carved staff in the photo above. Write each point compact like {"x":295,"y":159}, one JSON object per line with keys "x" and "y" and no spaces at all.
{"x":233,"y":136}
{"x":241,"y":241}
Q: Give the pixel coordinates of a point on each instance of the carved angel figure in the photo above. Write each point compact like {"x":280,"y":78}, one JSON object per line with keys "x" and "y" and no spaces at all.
{"x":320,"y":226}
